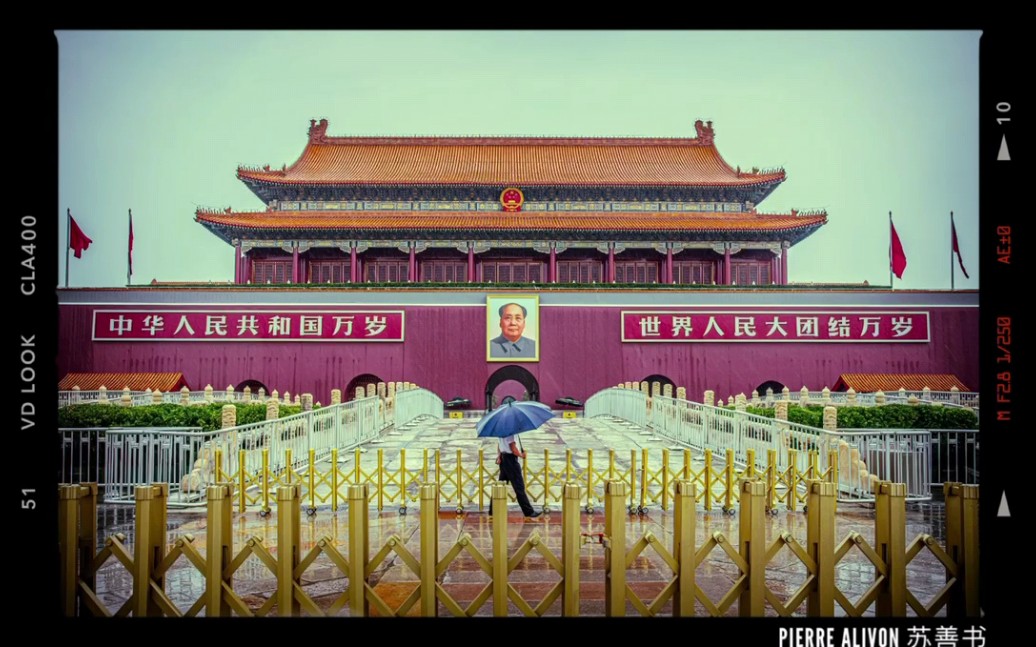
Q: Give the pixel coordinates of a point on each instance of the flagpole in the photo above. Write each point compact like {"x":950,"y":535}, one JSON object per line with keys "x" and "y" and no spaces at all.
{"x":890,"y":251}
{"x":68,"y":241}
{"x":129,"y":267}
{"x":952,"y":273}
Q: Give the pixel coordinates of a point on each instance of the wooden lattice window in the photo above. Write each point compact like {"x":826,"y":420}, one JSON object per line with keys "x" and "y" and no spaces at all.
{"x":641,"y":271}
{"x":271,"y":271}
{"x":329,"y":271}
{"x":444,"y":271}
{"x":387,"y":271}
{"x":694,"y":272}
{"x":750,"y":272}
{"x":584,"y":271}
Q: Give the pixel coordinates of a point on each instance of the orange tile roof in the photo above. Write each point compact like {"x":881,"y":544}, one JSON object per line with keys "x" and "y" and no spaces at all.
{"x":889,"y":382}
{"x":504,"y":221}
{"x":117,"y":381}
{"x":518,"y":161}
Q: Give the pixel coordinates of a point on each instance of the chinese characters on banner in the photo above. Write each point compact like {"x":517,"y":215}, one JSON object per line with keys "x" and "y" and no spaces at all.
{"x":774,"y":326}
{"x":248,"y":325}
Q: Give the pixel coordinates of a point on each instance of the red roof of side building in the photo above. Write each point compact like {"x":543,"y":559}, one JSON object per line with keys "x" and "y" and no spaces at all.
{"x":510,"y":161}
{"x":165,"y":382}
{"x":890,"y":382}
{"x":505,"y":221}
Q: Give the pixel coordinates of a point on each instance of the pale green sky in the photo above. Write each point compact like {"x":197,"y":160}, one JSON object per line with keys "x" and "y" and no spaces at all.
{"x":863,"y":122}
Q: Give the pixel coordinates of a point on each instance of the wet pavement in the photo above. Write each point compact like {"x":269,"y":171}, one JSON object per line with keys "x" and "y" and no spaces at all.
{"x":533,"y":577}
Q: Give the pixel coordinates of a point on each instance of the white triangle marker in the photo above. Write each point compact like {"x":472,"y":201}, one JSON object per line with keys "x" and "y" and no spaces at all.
{"x":1003,"y":155}
{"x":1003,"y":511}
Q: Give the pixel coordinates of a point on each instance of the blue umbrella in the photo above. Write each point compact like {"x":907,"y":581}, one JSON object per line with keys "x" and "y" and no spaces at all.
{"x":513,"y":418}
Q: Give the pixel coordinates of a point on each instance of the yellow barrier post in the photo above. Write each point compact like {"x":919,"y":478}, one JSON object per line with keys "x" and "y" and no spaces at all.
{"x":728,"y":482}
{"x":266,"y":481}
{"x":429,"y":548}
{"x":148,"y":550}
{"x":402,"y":479}
{"x":334,"y":480}
{"x":614,"y":549}
{"x":359,"y":549}
{"x":752,"y":533}
{"x":219,"y":549}
{"x":68,"y":540}
{"x":589,"y":478}
{"x":814,"y":470}
{"x":87,"y":532}
{"x":750,"y":464}
{"x":832,"y":470}
{"x":771,"y":479}
{"x":438,"y":471}
{"x":688,"y":472}
{"x":357,"y":472}
{"x":481,"y":478}
{"x":242,"y":482}
{"x":890,"y":543}
{"x":611,"y":464}
{"x":708,"y":480}
{"x":312,"y":479}
{"x":424,"y":467}
{"x":546,"y":477}
{"x":644,"y":476}
{"x":568,"y":466}
{"x":288,"y":465}
{"x":571,"y":545}
{"x":500,"y":556}
{"x":460,"y":481}
{"x":793,"y":480}
{"x":287,"y":549}
{"x":381,"y":479}
{"x":684,"y":521}
{"x":820,"y":544}
{"x":969,"y":547}
{"x":217,"y":461}
{"x":633,"y":476}
{"x":665,"y":479}
{"x":952,"y":492}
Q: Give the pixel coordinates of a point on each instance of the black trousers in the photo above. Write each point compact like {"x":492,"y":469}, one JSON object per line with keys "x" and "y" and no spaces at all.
{"x":511,"y":470}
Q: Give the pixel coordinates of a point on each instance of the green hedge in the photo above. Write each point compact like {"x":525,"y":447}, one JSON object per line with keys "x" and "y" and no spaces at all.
{"x":208,"y":416}
{"x":891,"y":416}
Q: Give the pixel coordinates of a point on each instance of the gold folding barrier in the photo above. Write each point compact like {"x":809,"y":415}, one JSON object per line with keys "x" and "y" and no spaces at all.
{"x":649,"y":482}
{"x":152,"y":557}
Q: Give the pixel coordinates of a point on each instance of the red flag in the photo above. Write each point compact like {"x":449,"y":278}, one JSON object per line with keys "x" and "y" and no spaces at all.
{"x":131,"y":242}
{"x":78,"y":241}
{"x":898,"y":260}
{"x":956,"y":248}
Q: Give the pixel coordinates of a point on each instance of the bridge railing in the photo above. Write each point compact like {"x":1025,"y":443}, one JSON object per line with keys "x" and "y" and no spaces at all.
{"x":628,"y":404}
{"x":413,"y":403}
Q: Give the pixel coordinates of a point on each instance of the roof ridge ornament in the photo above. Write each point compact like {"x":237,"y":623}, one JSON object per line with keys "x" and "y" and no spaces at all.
{"x":705,"y":132}
{"x":318,"y":131}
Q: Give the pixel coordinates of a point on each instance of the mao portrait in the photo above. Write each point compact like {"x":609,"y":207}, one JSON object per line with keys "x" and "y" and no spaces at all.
{"x":512,"y":328}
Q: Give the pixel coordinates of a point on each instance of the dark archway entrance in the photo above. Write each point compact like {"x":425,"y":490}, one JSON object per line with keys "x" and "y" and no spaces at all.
{"x":360,"y":380}
{"x":254,"y":385}
{"x":662,"y":380}
{"x":769,"y":384}
{"x":509,"y":373}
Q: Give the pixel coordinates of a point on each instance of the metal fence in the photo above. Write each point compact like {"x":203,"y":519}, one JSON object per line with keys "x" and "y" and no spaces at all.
{"x":955,"y":456}
{"x":134,"y":457}
{"x":120,"y":459}
{"x":413,"y":403}
{"x":860,"y":457}
{"x":628,"y":404}
{"x":82,"y":455}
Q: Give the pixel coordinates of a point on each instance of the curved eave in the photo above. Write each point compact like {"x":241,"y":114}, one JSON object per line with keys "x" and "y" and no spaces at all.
{"x":229,"y":228}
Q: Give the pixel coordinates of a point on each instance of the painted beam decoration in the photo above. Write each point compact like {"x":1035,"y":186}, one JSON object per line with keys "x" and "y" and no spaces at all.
{"x":249,"y":325}
{"x":701,"y":325}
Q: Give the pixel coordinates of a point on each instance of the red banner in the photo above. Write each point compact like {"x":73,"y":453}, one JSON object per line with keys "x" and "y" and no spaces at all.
{"x":774,"y":326}
{"x":249,"y":325}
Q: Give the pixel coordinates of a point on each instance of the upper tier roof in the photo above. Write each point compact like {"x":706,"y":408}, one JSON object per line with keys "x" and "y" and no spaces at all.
{"x":792,"y":226}
{"x":507,"y":161}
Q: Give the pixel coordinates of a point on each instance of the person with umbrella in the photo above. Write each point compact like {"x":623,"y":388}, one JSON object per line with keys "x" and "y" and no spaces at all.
{"x":505,"y":423}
